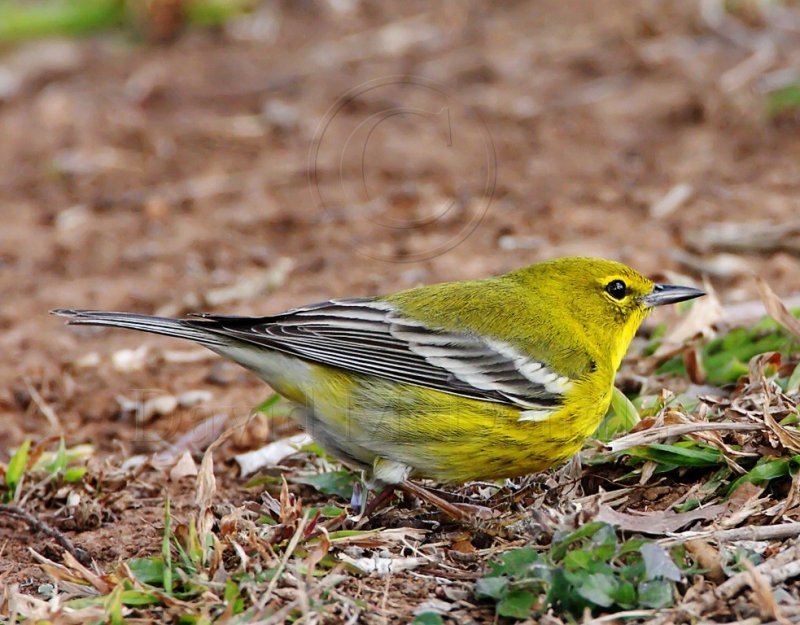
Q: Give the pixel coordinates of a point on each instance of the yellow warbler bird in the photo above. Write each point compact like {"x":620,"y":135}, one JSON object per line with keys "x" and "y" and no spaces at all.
{"x":458,"y":381}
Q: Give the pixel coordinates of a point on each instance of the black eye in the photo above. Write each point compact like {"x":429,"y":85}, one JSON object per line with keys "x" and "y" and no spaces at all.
{"x":616,"y":289}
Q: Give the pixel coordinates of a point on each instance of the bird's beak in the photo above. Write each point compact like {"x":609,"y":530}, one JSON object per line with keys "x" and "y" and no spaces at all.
{"x":670,"y":294}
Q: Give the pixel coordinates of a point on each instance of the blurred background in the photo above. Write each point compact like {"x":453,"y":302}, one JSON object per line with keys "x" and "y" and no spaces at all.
{"x":242,"y":156}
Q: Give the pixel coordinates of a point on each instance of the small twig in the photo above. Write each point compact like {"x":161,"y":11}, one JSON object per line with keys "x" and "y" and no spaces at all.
{"x":749,"y":532}
{"x":718,"y":20}
{"x":762,"y":591}
{"x":783,"y":566}
{"x":619,"y":616}
{"x":753,"y":66}
{"x":37,"y":525}
{"x":655,"y":434}
{"x":44,"y":407}
{"x":457,"y":512}
{"x":284,"y":561}
{"x":776,"y":569}
{"x":329,"y":581}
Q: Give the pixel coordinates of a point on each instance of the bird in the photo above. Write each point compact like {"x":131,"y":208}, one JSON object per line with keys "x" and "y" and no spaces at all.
{"x":460,"y":381}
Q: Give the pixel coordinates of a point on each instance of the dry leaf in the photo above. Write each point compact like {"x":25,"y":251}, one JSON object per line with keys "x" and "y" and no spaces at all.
{"x":183,"y":468}
{"x":708,"y":558}
{"x":762,"y":592}
{"x":658,"y":523}
{"x":693,"y":362}
{"x":463,"y":546}
{"x":206,"y":486}
{"x":382,"y":565}
{"x":776,"y":308}
{"x":704,"y":314}
{"x":271,"y":454}
{"x":789,"y":438}
{"x":380,"y":538}
{"x":317,"y":552}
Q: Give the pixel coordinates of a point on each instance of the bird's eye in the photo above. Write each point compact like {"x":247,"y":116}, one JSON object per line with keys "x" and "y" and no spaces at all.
{"x":616,"y":289}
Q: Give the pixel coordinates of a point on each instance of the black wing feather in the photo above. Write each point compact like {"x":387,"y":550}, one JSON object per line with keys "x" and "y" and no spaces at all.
{"x":367,"y":336}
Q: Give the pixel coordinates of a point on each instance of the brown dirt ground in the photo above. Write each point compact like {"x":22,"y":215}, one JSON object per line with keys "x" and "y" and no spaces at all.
{"x":594,"y":112}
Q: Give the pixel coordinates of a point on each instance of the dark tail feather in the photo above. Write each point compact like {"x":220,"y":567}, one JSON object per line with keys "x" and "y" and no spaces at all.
{"x":179,"y":328}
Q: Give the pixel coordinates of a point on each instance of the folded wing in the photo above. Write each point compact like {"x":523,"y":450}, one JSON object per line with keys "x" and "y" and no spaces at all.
{"x":371,"y":337}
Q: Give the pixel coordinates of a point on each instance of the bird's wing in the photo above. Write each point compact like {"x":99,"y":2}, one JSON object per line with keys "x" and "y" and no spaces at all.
{"x":371,"y":337}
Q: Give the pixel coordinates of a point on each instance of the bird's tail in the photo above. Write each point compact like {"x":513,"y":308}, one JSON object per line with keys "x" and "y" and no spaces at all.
{"x":189,"y":329}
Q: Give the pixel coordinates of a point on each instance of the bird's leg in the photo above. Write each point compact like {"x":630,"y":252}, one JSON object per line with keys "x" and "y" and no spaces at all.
{"x":385,"y":494}
{"x":360,"y":499}
{"x":396,"y":475}
{"x":452,"y":510}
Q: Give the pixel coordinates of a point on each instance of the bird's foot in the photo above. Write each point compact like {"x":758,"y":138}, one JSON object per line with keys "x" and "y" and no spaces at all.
{"x":462,"y":512}
{"x":457,"y":511}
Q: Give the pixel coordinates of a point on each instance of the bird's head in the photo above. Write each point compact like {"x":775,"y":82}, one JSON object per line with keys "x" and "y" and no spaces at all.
{"x":607,"y":299}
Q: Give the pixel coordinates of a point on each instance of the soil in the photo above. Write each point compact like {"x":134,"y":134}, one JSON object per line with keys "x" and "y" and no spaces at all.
{"x":374,"y":146}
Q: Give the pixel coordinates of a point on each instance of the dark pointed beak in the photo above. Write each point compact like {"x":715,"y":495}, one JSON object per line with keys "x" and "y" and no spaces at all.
{"x":670,"y":294}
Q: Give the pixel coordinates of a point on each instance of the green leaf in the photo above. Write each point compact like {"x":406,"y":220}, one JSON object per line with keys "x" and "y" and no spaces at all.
{"x":658,"y":563}
{"x":59,"y":461}
{"x":599,"y":589}
{"x":233,"y":596}
{"x":56,"y":18}
{"x":428,"y":618}
{"x":725,"y":358}
{"x":147,"y":570}
{"x":491,"y":587}
{"x":605,"y":536}
{"x":17,"y":464}
{"x":625,"y":595}
{"x":631,"y":546}
{"x":166,"y":553}
{"x":561,"y":544}
{"x":516,"y":562}
{"x":686,"y":454}
{"x":625,"y":409}
{"x":793,"y":385}
{"x":265,"y":406}
{"x":339,"y":483}
{"x":734,"y":561}
{"x":75,"y":474}
{"x":516,"y":604}
{"x":780,"y":100}
{"x":215,"y":12}
{"x":262,"y":481}
{"x":325,"y":511}
{"x":138,"y":598}
{"x":113,"y":606}
{"x":344,"y":534}
{"x":114,"y":601}
{"x":587,"y":568}
{"x":762,"y":472}
{"x":562,"y":593}
{"x":577,"y":560}
{"x":655,"y":593}
{"x":621,"y":417}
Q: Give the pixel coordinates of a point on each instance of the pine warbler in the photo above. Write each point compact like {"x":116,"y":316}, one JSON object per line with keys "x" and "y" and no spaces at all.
{"x":458,"y":381}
